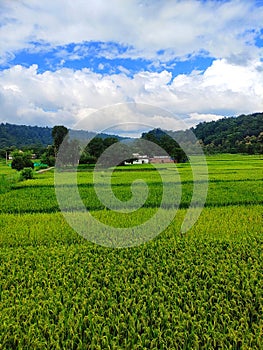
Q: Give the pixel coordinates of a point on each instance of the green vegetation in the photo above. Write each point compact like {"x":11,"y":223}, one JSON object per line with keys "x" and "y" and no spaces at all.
{"x":166,"y":142}
{"x":202,"y":289}
{"x":43,"y":141}
{"x":59,"y":132}
{"x":243,"y":134}
{"x":23,"y":135}
{"x":21,"y":160}
{"x":26,"y":174}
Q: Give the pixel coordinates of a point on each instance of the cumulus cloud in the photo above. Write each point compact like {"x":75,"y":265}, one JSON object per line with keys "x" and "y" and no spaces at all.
{"x":171,"y":28}
{"x":66,"y":96}
{"x":160,"y":33}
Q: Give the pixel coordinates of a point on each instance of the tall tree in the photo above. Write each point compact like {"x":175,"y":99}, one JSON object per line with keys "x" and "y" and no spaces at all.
{"x":59,"y":132}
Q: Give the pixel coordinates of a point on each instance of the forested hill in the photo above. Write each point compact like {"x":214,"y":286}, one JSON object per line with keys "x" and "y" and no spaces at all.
{"x":23,"y":135}
{"x":20,"y":136}
{"x":242,"y":134}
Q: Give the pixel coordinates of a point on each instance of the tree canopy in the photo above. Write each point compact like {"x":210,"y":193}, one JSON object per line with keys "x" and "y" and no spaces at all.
{"x":21,"y":160}
{"x":59,"y":132}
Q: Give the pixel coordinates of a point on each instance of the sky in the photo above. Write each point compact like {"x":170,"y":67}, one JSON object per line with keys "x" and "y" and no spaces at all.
{"x":62,"y":61}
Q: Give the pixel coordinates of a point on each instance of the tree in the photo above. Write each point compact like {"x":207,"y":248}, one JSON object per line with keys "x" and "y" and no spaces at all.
{"x":59,"y":132}
{"x":166,"y":143}
{"x":95,"y":147}
{"x":86,"y":158}
{"x":108,"y":141}
{"x":116,"y":156}
{"x":21,"y":160}
{"x":48,"y":157}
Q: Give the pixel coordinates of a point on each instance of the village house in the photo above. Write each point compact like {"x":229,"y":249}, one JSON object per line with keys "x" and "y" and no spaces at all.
{"x":161,"y":159}
{"x":144,"y":159}
{"x":138,"y":159}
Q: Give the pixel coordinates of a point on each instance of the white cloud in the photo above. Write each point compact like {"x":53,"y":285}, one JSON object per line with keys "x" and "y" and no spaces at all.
{"x":66,"y":96}
{"x":222,"y":29}
{"x":201,"y":117}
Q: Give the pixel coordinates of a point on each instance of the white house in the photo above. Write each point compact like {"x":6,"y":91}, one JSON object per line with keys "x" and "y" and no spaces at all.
{"x":138,"y":159}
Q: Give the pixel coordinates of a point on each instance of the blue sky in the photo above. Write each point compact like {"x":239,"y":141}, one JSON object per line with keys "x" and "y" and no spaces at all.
{"x":61,"y":61}
{"x":90,"y":55}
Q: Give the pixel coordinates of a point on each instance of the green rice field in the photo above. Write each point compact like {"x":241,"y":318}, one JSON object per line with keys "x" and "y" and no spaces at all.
{"x":202,"y":289}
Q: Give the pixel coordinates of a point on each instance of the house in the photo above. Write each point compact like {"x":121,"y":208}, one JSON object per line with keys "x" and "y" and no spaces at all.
{"x":140,"y":159}
{"x":33,"y":155}
{"x":10,"y":157}
{"x":161,"y":159}
{"x":137,"y":159}
{"x":144,"y":159}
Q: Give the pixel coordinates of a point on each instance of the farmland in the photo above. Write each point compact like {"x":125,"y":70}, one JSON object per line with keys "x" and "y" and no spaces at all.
{"x":201,"y":289}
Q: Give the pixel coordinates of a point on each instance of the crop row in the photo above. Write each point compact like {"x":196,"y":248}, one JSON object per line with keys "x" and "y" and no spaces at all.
{"x":199,"y":291}
{"x":202,"y":289}
{"x":232,"y":222}
{"x":31,"y":199}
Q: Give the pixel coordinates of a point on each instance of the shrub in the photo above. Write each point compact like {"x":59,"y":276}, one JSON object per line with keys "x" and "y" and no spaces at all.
{"x":21,"y":160}
{"x":86,"y":158}
{"x":26,"y":174}
{"x":48,"y":159}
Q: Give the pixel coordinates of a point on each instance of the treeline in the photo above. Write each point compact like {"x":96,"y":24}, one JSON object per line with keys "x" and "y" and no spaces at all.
{"x":25,"y":138}
{"x":165,"y":143}
{"x":22,"y":135}
{"x":35,"y":139}
{"x":242,"y":134}
{"x":70,"y":148}
{"x":67,"y":150}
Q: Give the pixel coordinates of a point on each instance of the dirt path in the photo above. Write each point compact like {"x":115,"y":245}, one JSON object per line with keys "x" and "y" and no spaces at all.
{"x":44,"y":170}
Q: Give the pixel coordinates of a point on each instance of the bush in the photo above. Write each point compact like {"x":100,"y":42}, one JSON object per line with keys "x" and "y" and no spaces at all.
{"x":18,"y":163}
{"x":48,"y":159}
{"x":87,"y":159}
{"x":21,"y":160}
{"x":26,"y":174}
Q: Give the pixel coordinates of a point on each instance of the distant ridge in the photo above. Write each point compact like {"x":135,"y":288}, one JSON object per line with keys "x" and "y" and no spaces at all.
{"x":236,"y":128}
{"x":24,"y":135}
{"x":242,"y":134}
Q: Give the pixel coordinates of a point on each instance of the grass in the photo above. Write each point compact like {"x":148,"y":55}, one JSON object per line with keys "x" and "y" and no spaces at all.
{"x":202,"y":289}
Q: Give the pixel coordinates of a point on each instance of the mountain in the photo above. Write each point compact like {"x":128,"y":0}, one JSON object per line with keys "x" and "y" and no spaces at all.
{"x":24,"y":135}
{"x":242,"y":134}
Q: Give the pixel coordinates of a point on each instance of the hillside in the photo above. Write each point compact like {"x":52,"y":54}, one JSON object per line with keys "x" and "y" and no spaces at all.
{"x":242,"y":134}
{"x":23,"y":135}
{"x":20,"y":136}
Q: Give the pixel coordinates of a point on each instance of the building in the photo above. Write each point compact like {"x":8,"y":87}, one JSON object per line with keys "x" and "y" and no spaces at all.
{"x":137,"y":159}
{"x":161,"y":160}
{"x":144,"y":159}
